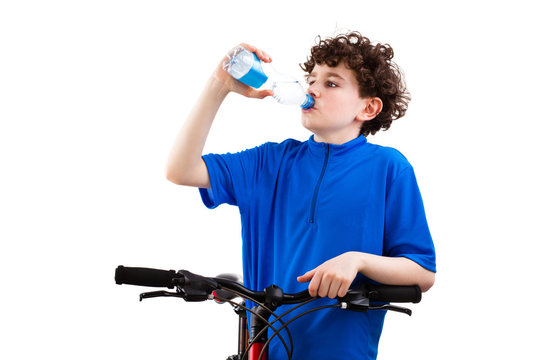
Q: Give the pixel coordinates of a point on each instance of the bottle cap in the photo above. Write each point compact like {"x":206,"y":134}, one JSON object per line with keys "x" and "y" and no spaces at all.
{"x":308,"y":103}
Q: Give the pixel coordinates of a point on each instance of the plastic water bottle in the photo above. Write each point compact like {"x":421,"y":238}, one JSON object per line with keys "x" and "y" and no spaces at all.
{"x":246,"y":67}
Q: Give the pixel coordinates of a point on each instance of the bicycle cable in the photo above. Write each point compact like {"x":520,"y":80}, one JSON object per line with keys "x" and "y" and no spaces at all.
{"x":278,"y":318}
{"x":290,"y":321}
{"x":289,"y":351}
{"x":261,"y":317}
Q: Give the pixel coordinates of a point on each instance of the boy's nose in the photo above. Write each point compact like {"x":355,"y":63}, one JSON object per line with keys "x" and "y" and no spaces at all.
{"x":313,"y":91}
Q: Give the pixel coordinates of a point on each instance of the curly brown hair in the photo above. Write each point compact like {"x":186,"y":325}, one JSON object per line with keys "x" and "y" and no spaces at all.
{"x":377,"y":75}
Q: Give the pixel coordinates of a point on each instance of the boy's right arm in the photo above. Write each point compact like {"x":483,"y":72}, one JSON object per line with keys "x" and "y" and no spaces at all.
{"x":185,"y":165}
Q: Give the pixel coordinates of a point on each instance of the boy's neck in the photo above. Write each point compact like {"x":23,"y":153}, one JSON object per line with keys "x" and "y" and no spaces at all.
{"x":335,"y":139}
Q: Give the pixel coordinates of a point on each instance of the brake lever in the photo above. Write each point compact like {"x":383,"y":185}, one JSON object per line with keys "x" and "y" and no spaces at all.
{"x":392,"y":308}
{"x":160,"y":293}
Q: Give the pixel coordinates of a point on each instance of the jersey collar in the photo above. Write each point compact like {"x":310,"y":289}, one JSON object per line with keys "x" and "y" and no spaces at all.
{"x":319,"y":148}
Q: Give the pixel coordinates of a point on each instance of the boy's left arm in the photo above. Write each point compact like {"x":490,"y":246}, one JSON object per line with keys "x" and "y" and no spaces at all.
{"x":335,"y":276}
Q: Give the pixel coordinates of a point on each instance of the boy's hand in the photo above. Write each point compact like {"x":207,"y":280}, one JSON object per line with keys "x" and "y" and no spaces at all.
{"x":334,"y":277}
{"x":231,"y":84}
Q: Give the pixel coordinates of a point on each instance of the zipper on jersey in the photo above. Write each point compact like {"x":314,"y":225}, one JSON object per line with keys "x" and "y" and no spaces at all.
{"x":316,"y":192}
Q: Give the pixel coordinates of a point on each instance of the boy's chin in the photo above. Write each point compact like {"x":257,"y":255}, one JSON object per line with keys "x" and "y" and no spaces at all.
{"x":311,"y":129}
{"x":306,"y":123}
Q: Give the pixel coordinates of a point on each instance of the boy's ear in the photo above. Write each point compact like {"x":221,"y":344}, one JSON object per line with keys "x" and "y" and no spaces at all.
{"x":372,"y":107}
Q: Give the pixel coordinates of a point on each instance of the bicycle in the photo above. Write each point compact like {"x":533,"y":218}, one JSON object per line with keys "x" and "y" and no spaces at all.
{"x":253,"y":345}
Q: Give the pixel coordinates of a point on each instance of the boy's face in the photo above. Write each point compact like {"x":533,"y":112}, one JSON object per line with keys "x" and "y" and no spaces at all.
{"x":338,"y":112}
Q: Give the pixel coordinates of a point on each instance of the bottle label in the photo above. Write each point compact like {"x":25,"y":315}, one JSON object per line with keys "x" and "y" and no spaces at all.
{"x":255,"y":77}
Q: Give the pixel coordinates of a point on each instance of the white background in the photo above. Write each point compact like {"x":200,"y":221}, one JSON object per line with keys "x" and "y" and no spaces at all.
{"x":92,"y":94}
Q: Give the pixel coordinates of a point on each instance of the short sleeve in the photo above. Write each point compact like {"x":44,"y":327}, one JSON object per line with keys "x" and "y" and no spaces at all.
{"x":232,"y":178}
{"x":406,"y":232}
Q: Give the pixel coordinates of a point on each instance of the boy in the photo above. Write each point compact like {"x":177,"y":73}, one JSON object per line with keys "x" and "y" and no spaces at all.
{"x":332,"y":211}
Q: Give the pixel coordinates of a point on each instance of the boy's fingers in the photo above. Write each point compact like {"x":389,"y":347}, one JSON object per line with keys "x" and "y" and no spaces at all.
{"x":249,"y":47}
{"x":314,"y":284}
{"x":343,"y":289}
{"x":262,"y":55}
{"x":335,"y":286}
{"x":250,"y":92}
{"x":266,"y":93}
{"x":259,"y":94}
{"x":306,"y":277}
{"x":325,"y":286}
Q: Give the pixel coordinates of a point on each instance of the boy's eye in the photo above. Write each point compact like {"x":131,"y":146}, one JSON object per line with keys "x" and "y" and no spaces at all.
{"x":328,"y":83}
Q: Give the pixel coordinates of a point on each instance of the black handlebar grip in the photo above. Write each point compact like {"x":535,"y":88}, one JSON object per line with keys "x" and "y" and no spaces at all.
{"x":393,"y":293}
{"x":144,"y":276}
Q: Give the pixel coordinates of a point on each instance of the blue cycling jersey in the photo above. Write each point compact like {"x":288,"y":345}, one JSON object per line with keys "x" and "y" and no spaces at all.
{"x":302,"y":203}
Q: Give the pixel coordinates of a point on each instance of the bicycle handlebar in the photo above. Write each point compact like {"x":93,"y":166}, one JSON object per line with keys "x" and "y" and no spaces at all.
{"x":394,"y":293}
{"x":193,"y":287}
{"x":144,"y":277}
{"x":198,"y":288}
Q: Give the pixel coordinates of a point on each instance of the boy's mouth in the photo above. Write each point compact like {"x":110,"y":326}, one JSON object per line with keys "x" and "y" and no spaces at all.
{"x":309,"y":110}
